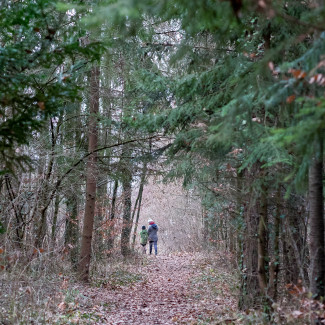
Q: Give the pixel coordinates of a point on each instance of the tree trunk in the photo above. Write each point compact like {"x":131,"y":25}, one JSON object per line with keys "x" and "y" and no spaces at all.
{"x":139,"y":199}
{"x":295,"y":243}
{"x":127,"y":204}
{"x":87,"y":233}
{"x":55,"y":217}
{"x":249,"y":289}
{"x":239,"y":214}
{"x":72,"y":228}
{"x":262,"y":242}
{"x":205,"y":232}
{"x":232,"y":231}
{"x":99,"y":235}
{"x":126,"y":227}
{"x":110,"y":240}
{"x":44,"y":192}
{"x":20,"y":222}
{"x":316,"y":223}
{"x":275,"y":262}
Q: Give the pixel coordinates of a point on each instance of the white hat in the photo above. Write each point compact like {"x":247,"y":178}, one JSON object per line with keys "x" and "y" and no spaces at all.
{"x":150,"y":220}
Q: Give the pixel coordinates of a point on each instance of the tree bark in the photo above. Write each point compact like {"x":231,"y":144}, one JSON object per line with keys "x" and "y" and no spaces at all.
{"x":232,"y":231}
{"x":44,"y":192}
{"x":262,"y":242}
{"x":127,"y":203}
{"x":55,"y":217}
{"x":275,"y":262}
{"x":72,"y":228}
{"x":126,"y":227}
{"x":316,"y":223}
{"x":295,"y":243}
{"x":139,"y":200}
{"x":91,"y":182}
{"x":20,"y":222}
{"x":110,"y":240}
{"x":100,"y":222}
{"x":239,"y":213}
{"x":249,"y":288}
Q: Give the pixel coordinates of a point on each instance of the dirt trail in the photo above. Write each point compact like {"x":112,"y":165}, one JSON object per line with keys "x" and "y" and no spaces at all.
{"x":166,"y":296}
{"x":161,"y":299}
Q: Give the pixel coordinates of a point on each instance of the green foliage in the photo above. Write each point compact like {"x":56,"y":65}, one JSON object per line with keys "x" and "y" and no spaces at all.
{"x":40,"y":58}
{"x":243,"y":95}
{"x":228,"y":83}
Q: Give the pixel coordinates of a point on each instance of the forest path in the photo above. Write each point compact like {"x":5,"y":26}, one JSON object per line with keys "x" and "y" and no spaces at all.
{"x":182,"y":289}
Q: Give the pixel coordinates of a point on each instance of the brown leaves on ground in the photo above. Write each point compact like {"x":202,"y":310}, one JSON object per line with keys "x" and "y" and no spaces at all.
{"x":178,"y":289}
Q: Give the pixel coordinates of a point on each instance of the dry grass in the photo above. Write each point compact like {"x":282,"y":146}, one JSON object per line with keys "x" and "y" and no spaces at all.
{"x":31,"y":288}
{"x":43,"y":289}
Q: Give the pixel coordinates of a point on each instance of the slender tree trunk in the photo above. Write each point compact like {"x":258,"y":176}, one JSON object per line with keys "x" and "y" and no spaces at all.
{"x":249,"y":290}
{"x":72,"y":228}
{"x":286,"y":262}
{"x":262,"y":242}
{"x":275,"y":263}
{"x":135,"y":208}
{"x":87,"y":234}
{"x":137,"y":217}
{"x":55,"y":217}
{"x":295,"y":245}
{"x":112,"y":214}
{"x":232,"y":232}
{"x":100,"y":221}
{"x":291,"y":243}
{"x":205,"y":232}
{"x":127,"y":203}
{"x":42,"y":225}
{"x":126,"y":227}
{"x":110,"y":240}
{"x":226,"y":237}
{"x":239,"y":213}
{"x":316,"y":223}
{"x":20,"y":222}
{"x":139,"y":199}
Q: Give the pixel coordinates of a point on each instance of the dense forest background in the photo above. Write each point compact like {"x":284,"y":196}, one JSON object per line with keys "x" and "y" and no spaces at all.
{"x":206,"y":116}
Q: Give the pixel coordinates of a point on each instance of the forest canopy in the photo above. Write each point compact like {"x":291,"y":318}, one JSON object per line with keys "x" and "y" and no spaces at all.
{"x":100,"y":98}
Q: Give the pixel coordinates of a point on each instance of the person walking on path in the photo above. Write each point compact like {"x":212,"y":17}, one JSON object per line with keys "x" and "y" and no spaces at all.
{"x":152,"y":236}
{"x":143,"y":238}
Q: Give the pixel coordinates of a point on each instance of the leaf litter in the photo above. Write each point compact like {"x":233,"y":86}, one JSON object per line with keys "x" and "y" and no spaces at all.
{"x":174,"y":289}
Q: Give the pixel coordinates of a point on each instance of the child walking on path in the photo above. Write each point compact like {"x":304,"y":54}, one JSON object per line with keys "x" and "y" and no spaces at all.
{"x":143,"y":239}
{"x":153,"y":237}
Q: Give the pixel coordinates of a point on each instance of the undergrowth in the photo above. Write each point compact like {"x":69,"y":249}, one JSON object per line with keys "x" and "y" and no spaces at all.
{"x":45,"y":290}
{"x":31,"y":291}
{"x":218,"y":282}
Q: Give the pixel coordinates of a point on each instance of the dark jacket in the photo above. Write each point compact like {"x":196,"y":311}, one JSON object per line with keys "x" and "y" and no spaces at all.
{"x":152,"y":232}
